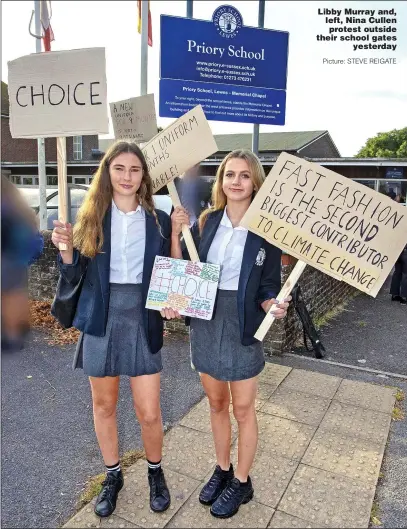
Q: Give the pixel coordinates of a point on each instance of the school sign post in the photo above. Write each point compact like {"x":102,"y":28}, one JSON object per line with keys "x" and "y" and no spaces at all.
{"x":237,"y":73}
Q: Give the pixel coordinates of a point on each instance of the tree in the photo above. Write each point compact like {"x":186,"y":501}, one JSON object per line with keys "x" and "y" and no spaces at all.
{"x":391,"y":144}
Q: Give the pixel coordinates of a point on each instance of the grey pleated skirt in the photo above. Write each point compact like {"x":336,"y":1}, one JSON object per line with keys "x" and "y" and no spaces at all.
{"x":124,"y":349}
{"x":216,"y":349}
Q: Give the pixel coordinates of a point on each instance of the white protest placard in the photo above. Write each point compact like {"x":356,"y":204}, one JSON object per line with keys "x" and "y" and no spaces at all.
{"x":177,"y":148}
{"x":185,"y":286}
{"x":58,"y":93}
{"x":134,"y":119}
{"x":338,"y":226}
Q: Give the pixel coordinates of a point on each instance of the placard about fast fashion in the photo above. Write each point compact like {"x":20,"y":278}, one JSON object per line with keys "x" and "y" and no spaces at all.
{"x":330,"y":222}
{"x":134,"y":119}
{"x":177,"y":148}
{"x":60,"y":93}
{"x":188,"y":287}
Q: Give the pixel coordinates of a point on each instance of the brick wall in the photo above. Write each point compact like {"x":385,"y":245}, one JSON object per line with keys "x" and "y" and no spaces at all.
{"x":25,"y":150}
{"x":43,"y":274}
{"x":321,"y":293}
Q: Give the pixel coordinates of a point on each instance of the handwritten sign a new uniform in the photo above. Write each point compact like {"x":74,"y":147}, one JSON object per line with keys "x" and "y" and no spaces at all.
{"x":134,"y":119}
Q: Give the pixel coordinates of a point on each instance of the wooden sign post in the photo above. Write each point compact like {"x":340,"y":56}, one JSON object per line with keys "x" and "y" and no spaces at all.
{"x":62,"y":184}
{"x":176,"y":149}
{"x":341,"y":227}
{"x":186,"y":232}
{"x":283,"y":294}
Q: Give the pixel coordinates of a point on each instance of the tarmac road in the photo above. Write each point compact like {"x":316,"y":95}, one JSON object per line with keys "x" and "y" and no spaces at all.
{"x":49,"y":448}
{"x":371,"y":332}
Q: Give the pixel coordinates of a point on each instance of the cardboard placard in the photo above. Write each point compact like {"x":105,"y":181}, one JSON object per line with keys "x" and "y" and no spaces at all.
{"x":338,"y":226}
{"x":134,"y":119}
{"x":58,"y":93}
{"x":176,"y":149}
{"x":188,"y":287}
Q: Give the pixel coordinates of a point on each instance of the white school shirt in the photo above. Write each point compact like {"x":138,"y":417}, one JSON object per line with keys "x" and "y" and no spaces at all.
{"x":128,"y":241}
{"x":227,"y":250}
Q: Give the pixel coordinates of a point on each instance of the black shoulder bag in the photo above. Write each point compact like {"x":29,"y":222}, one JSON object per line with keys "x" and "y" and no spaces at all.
{"x":66,"y":299}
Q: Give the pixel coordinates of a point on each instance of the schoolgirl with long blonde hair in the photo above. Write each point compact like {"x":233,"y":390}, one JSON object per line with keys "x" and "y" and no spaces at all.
{"x":224,"y":350}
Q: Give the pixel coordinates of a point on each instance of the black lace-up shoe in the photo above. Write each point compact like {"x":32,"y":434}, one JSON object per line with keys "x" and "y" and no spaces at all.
{"x":159,"y":494}
{"x":219,"y":480}
{"x":232,"y":498}
{"x":106,"y":501}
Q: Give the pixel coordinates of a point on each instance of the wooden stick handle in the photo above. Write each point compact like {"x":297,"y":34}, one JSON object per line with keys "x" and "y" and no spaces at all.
{"x":62,"y":184}
{"x":186,"y":232}
{"x":284,"y":292}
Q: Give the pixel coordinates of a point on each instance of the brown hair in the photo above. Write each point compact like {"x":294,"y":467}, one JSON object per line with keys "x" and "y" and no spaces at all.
{"x":88,"y":230}
{"x":219,"y":199}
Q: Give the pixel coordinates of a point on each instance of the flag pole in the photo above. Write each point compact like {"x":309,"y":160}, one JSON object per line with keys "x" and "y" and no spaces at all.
{"x":256,"y":127}
{"x":144,"y":48}
{"x":172,"y":190}
{"x":42,"y":175}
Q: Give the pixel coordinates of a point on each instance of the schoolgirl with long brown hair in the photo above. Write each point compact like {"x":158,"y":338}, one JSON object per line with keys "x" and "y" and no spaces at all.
{"x":110,"y":255}
{"x":224,"y":350}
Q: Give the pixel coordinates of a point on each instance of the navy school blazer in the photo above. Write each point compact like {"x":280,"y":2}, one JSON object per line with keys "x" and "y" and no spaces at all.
{"x":260,"y":274}
{"x":93,"y":305}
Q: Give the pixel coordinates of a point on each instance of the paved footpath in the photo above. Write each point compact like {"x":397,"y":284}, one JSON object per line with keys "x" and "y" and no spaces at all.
{"x":321,"y":445}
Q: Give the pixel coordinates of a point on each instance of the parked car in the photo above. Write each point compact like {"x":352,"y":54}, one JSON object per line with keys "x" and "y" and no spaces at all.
{"x":76,"y":195}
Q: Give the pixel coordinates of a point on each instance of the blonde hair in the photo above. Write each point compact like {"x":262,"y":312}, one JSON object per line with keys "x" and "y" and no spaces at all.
{"x":219,"y":198}
{"x":88,"y":229}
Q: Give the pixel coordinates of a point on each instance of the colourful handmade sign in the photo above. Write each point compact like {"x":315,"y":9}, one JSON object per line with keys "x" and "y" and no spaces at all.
{"x":186,"y":286}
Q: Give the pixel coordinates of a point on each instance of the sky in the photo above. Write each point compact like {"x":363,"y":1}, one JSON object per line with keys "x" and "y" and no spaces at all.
{"x":353,"y":102}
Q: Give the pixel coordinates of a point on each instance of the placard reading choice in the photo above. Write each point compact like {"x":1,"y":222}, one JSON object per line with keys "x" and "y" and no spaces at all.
{"x":60,"y":93}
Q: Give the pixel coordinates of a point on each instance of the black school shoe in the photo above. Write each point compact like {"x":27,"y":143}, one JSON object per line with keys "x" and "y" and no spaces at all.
{"x":159,"y":494}
{"x":106,"y":501}
{"x":218,"y":481}
{"x":396,"y":298}
{"x":232,"y":497}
